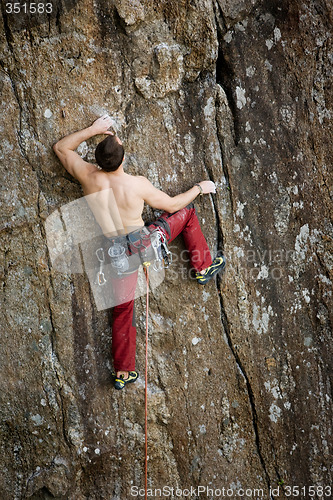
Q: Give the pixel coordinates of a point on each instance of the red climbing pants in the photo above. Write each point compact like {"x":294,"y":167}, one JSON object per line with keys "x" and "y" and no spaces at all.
{"x":183,"y":222}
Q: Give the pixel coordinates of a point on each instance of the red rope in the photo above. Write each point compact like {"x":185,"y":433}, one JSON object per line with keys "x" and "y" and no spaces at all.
{"x":146,"y":384}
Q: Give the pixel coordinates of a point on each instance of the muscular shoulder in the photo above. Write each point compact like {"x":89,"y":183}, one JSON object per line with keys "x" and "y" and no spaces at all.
{"x":142,"y":182}
{"x":138,"y":183}
{"x":94,"y":180}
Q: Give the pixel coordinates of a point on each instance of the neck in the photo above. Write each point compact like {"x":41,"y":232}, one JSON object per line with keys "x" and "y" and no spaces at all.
{"x":119,"y":171}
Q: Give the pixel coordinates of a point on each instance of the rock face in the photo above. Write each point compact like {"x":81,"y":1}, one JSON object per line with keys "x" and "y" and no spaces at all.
{"x":240,"y":393}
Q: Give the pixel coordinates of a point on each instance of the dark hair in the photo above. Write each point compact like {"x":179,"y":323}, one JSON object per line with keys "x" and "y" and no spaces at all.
{"x":109,"y":154}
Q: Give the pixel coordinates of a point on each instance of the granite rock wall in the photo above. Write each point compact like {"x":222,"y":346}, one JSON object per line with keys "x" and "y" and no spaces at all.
{"x":240,"y":382}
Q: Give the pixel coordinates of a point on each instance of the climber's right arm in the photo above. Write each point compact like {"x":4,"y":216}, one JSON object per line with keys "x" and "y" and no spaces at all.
{"x":65,"y":148}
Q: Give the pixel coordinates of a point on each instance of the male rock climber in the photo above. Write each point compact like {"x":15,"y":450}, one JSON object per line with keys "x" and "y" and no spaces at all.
{"x":131,"y":192}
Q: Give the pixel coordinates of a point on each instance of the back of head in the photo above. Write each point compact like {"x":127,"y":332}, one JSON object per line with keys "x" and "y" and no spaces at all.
{"x":109,"y":154}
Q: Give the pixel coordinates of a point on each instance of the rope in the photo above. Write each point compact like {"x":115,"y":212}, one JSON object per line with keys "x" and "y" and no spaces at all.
{"x":146,"y":266}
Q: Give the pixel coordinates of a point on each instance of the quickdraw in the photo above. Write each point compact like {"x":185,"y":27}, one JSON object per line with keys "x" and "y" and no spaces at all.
{"x":101,"y":258}
{"x":167,"y":255}
{"x":163,"y":256}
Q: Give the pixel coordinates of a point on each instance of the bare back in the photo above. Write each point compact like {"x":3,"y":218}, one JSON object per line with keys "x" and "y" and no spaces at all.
{"x":115,"y":199}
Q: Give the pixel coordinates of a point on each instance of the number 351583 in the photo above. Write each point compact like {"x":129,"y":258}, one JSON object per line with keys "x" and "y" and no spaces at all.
{"x":28,"y":8}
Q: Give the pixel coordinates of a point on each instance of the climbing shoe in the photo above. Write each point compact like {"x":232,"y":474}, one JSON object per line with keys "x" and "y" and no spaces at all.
{"x":217,"y":265}
{"x":120,"y":382}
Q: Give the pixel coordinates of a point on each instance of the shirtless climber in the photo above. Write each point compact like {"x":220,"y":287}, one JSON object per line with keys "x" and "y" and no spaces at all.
{"x":131,"y":192}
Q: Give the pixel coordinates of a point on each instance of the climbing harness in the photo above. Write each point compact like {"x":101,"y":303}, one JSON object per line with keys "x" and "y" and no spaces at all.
{"x":128,"y":252}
